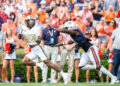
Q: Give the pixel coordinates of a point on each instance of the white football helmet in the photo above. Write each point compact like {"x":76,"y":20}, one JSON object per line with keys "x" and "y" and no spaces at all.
{"x":69,"y":24}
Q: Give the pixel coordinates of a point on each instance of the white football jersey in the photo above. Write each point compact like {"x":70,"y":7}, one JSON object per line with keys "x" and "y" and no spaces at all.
{"x":30,"y":36}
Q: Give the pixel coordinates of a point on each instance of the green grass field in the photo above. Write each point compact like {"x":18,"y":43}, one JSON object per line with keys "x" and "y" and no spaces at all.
{"x":60,"y":84}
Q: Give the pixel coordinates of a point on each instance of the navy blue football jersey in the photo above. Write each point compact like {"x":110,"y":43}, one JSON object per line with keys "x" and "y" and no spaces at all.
{"x":81,"y":40}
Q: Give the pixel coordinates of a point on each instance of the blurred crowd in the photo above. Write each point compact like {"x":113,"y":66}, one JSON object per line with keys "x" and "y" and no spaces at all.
{"x":97,"y":19}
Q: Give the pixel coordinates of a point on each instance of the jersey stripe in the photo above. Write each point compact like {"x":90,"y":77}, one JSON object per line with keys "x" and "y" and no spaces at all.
{"x":95,"y":57}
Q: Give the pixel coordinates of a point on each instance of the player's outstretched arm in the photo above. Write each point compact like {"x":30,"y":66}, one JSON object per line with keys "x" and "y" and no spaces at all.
{"x":71,"y":32}
{"x":66,"y":43}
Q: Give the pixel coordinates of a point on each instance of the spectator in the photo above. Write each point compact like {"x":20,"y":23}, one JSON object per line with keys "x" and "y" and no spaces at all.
{"x":8,"y":7}
{"x":109,"y":14}
{"x":87,"y":17}
{"x":80,"y":23}
{"x":115,"y":48}
{"x":51,"y":8}
{"x":53,"y":5}
{"x":62,"y":12}
{"x":43,"y":15}
{"x":9,"y":57}
{"x":113,"y":3}
{"x":43,"y":4}
{"x":69,"y":5}
{"x":54,"y":20}
{"x":21,"y":21}
{"x":97,"y":42}
{"x":49,"y":41}
{"x":31,"y":5}
{"x":2,"y":48}
{"x":100,"y":27}
{"x":21,"y":7}
{"x":110,"y":28}
{"x":30,"y":11}
{"x":9,"y":24}
{"x":75,"y":12}
{"x":14,"y":19}
{"x":3,"y":15}
{"x":38,"y":21}
{"x":101,"y":4}
{"x":97,"y":11}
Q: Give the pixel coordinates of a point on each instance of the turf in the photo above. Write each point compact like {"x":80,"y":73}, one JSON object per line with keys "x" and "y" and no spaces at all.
{"x":60,"y":84}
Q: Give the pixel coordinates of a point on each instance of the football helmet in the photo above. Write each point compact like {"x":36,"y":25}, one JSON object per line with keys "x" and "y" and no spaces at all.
{"x":29,"y":21}
{"x":69,"y":24}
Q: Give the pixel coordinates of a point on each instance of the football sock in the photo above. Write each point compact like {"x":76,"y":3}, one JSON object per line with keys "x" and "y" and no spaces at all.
{"x":104,"y":70}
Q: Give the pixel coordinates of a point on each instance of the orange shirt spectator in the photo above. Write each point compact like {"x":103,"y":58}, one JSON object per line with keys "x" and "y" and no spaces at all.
{"x":32,"y":5}
{"x":110,"y":28}
{"x":31,"y":12}
{"x":42,"y":15}
{"x":80,"y":24}
{"x":100,"y":27}
{"x":109,"y":14}
{"x":9,"y":24}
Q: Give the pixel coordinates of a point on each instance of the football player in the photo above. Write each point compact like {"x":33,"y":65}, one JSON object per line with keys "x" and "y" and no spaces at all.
{"x":91,"y":51}
{"x":31,"y":35}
